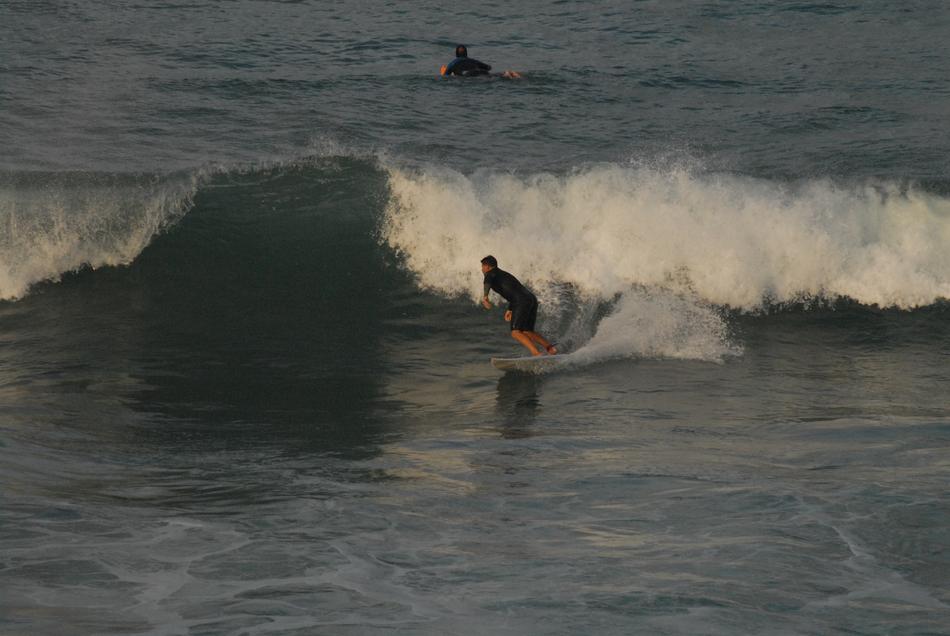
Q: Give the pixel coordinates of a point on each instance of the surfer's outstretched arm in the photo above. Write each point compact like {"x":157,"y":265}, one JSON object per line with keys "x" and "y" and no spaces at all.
{"x":485,"y":302}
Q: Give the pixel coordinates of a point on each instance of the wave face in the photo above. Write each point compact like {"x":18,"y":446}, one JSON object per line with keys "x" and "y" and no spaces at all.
{"x":628,"y":260}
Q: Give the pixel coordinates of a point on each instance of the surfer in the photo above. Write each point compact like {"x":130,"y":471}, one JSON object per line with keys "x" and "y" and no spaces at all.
{"x":470,"y":67}
{"x":522,"y":306}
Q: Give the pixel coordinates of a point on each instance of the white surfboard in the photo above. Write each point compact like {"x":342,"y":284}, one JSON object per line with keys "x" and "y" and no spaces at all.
{"x":529,"y":364}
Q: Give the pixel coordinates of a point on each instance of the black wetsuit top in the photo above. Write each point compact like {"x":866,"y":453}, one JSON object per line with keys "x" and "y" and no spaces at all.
{"x":509,"y":288}
{"x":466,"y":66}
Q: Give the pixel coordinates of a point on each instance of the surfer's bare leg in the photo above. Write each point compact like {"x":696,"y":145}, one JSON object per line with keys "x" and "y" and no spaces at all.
{"x":523,"y":338}
{"x":536,"y":337}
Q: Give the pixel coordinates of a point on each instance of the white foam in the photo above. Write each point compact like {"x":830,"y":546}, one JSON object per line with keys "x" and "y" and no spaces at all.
{"x":62,"y":223}
{"x":659,"y":324}
{"x":709,"y":240}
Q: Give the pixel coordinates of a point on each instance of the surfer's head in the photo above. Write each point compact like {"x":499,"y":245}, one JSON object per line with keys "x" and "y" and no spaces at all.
{"x":461,"y":51}
{"x":488,"y":263}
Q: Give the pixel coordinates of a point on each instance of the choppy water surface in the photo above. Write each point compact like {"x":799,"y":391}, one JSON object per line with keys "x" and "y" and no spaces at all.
{"x":244,"y":379}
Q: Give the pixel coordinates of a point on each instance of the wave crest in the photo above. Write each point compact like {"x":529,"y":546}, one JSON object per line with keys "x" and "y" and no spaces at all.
{"x":669,"y":248}
{"x":63,"y":222}
{"x":731,"y":241}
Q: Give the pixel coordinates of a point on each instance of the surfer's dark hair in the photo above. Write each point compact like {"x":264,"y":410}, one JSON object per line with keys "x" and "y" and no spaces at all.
{"x":461,"y":51}
{"x":490,"y":260}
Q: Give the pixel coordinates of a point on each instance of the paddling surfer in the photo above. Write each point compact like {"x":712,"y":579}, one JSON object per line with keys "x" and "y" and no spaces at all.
{"x":466,"y":66}
{"x":522,"y":306}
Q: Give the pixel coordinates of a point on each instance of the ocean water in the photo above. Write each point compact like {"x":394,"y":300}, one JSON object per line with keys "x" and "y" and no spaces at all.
{"x":244,"y":377}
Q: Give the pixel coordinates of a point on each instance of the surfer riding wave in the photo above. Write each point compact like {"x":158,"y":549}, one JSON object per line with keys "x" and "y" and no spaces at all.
{"x":522,"y":310}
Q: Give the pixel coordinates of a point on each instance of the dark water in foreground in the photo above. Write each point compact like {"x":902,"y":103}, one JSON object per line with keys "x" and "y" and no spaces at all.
{"x":244,"y":384}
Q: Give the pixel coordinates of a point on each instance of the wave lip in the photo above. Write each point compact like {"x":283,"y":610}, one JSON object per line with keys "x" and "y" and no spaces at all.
{"x":56,"y":223}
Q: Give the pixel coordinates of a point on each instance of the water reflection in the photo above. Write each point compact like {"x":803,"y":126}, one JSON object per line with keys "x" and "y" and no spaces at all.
{"x":517,"y":401}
